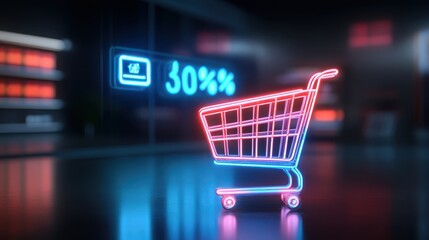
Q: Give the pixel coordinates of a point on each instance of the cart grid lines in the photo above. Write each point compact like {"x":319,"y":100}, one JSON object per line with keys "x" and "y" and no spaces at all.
{"x":240,"y":144}
{"x":268,"y":127}
{"x":265,"y":116}
{"x":272,"y":128}
{"x":257,"y":130}
{"x":265,"y":135}
{"x":225,"y":144}
{"x":288,"y":128}
{"x":249,"y":122}
{"x":233,"y":136}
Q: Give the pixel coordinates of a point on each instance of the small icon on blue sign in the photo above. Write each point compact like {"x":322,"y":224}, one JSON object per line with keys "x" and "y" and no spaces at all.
{"x":134,"y":71}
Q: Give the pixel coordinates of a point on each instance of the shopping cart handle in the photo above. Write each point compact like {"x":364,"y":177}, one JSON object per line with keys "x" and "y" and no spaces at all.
{"x":314,"y":82}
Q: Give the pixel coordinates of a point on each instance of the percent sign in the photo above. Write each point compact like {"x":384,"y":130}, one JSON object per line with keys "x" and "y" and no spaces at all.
{"x":207,"y":80}
{"x":225,"y":79}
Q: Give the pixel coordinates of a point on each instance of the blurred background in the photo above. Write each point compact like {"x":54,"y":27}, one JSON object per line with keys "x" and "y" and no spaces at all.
{"x":65,"y":131}
{"x":380,"y":49}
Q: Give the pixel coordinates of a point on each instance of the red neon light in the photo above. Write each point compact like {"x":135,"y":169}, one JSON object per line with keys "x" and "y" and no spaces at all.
{"x":328,"y":115}
{"x":381,"y":27}
{"x":31,"y":90}
{"x":28,"y":90}
{"x":14,"y":56}
{"x":2,"y":55}
{"x":325,"y":115}
{"x":2,"y":88}
{"x":14,"y":89}
{"x":213,"y":42}
{"x":39,"y":90}
{"x":47,"y":60}
{"x":47,"y":90}
{"x":381,"y":40}
{"x":381,"y":33}
{"x":375,"y":33}
{"x":31,"y":58}
{"x":359,"y":35}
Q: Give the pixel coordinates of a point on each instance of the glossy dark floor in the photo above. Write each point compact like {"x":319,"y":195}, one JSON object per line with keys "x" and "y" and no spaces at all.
{"x":373,"y":192}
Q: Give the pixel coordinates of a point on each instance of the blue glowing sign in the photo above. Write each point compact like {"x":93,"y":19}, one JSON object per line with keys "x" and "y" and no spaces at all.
{"x":188,"y":80}
{"x":172,"y":76}
{"x":132,"y":72}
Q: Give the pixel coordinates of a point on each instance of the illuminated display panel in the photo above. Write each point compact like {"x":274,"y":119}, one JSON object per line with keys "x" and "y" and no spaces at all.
{"x":171,"y":75}
{"x":29,"y":83}
{"x":134,"y":71}
{"x":188,"y":79}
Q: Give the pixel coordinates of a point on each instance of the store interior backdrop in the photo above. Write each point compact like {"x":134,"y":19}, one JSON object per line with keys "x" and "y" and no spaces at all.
{"x":97,"y":82}
{"x":381,"y":94}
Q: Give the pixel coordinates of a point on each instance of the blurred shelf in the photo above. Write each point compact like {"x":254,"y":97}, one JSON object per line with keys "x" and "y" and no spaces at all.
{"x":32,"y":73}
{"x":32,"y":41}
{"x":31,"y":103}
{"x":30,"y":128}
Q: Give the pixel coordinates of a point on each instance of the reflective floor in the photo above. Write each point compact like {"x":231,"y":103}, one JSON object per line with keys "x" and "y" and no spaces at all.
{"x":350,"y":192}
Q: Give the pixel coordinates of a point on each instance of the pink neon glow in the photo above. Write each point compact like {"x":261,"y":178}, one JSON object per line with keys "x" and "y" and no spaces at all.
{"x":293,"y":201}
{"x":228,"y":202}
{"x":375,"y":33}
{"x":28,"y":190}
{"x":291,"y":224}
{"x":328,"y":115}
{"x":228,"y":226}
{"x":264,"y":131}
{"x":213,"y":42}
{"x":240,"y":130}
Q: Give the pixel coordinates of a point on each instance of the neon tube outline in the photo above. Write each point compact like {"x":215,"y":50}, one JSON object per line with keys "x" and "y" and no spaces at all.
{"x":131,"y":82}
{"x":288,"y":164}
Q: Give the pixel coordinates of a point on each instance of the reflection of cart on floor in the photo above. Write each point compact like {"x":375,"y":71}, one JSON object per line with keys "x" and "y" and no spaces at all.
{"x":266,"y":131}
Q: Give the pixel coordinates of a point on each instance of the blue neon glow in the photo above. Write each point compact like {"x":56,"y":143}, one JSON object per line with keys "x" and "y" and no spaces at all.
{"x":173,"y":86}
{"x":134,"y":201}
{"x":226,"y":81}
{"x":133,"y":76}
{"x":207,"y":80}
{"x":212,"y":88}
{"x":189,"y":80}
{"x":293,"y":186}
{"x":134,"y":68}
{"x":185,"y":78}
{"x":134,"y":71}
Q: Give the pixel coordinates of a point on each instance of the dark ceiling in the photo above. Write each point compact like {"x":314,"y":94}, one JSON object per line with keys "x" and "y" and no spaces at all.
{"x":289,"y":10}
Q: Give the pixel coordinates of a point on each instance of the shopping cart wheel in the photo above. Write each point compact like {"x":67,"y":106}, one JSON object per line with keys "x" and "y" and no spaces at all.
{"x":228,"y":202}
{"x":291,"y":200}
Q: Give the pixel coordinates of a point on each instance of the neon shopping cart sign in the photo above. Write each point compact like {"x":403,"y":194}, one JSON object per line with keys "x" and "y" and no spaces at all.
{"x":173,"y":75}
{"x":266,"y":131}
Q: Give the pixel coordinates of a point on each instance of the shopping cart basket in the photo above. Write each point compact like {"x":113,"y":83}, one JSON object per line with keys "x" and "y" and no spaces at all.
{"x":266,"y":131}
